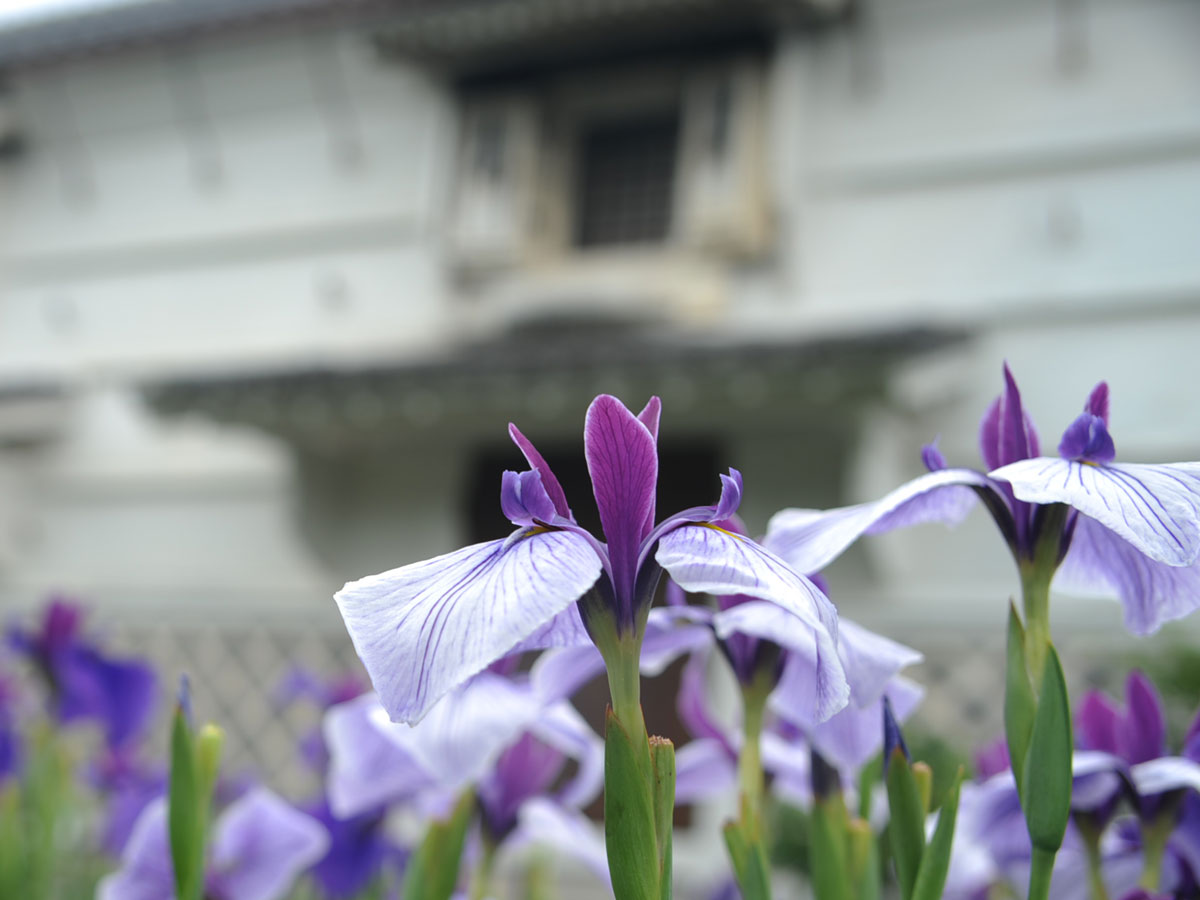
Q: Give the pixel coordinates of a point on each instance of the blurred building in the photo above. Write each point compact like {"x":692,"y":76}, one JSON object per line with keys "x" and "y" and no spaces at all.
{"x":275,"y":274}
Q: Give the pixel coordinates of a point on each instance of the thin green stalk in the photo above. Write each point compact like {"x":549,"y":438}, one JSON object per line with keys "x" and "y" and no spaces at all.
{"x":481,"y":877}
{"x":750,"y":771}
{"x":1040,"y":873}
{"x":1154,"y":844}
{"x":1091,"y":844}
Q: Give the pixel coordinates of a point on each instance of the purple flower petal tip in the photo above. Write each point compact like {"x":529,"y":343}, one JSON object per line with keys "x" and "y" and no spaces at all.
{"x":731,"y":495}
{"x":1087,"y":440}
{"x":1097,"y":402}
{"x":524,"y":500}
{"x":535,"y":460}
{"x":893,"y":738}
{"x":932,"y":457}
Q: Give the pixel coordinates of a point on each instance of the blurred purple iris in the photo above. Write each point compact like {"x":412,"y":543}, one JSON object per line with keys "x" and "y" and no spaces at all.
{"x":260,"y":845}
{"x":1122,"y":758}
{"x":425,"y":628}
{"x":10,"y":739}
{"x":1131,"y":530}
{"x":495,"y":733}
{"x":85,"y":683}
{"x":359,"y":847}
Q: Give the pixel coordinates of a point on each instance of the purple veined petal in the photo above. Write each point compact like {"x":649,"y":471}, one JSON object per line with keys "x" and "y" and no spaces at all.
{"x":813,"y":682}
{"x":1156,"y":508}
{"x":989,"y":435}
{"x":560,"y":672}
{"x":694,"y":708}
{"x":367,"y":769}
{"x":709,"y":560}
{"x":704,"y":768}
{"x":261,"y":844}
{"x":1167,"y":773}
{"x":1152,"y":593}
{"x":464,"y":734}
{"x":563,"y":728}
{"x":851,"y":738}
{"x":871,"y":661}
{"x":622,"y":460}
{"x":810,"y":539}
{"x":425,"y":628}
{"x":545,"y":823}
{"x":649,"y":417}
{"x":146,"y":872}
{"x":549,"y":482}
{"x":564,"y":630}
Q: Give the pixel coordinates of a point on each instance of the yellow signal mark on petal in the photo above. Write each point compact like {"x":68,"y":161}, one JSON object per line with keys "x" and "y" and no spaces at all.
{"x":740,"y":537}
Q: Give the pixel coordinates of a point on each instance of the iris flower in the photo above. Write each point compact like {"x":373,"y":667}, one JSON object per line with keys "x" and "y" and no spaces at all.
{"x":260,"y":845}
{"x":1127,"y":529}
{"x":423,"y":629}
{"x":494,"y":733}
{"x":10,"y":740}
{"x":87,"y":684}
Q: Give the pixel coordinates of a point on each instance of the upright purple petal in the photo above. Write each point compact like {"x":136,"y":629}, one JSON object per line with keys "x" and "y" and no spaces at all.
{"x":622,"y":460}
{"x":524,"y":770}
{"x":1097,"y":402}
{"x":1097,"y":723}
{"x":1018,"y":439}
{"x":649,"y":417}
{"x":260,"y":845}
{"x":1144,"y":736}
{"x":423,"y":629}
{"x":989,"y":435}
{"x":1156,"y":508}
{"x":549,"y":482}
{"x":1100,"y":562}
{"x":810,"y":539}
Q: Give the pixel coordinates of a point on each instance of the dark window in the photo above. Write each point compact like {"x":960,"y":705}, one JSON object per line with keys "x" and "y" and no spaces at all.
{"x":626,"y":181}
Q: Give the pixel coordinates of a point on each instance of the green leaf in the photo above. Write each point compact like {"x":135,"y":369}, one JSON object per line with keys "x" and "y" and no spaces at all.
{"x":432,"y":872}
{"x":864,"y":860}
{"x":749,"y":859}
{"x":630,"y":832}
{"x":1047,"y":777}
{"x":907,"y":826}
{"x":662,"y":759}
{"x":936,"y":861}
{"x":183,"y":811}
{"x":830,"y":870}
{"x":1020,"y":704}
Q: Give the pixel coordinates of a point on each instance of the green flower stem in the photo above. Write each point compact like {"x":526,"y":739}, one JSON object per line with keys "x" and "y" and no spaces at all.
{"x":750,"y":770}
{"x":1039,"y":874}
{"x":481,"y":877}
{"x":1154,"y":845}
{"x":1091,"y":843}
